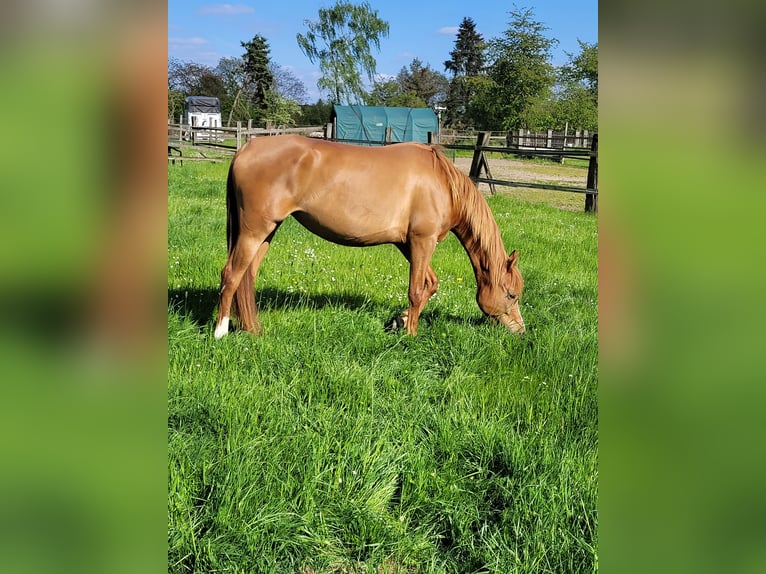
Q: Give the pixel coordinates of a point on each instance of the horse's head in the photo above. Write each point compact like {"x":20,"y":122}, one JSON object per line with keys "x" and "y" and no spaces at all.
{"x":501,"y":300}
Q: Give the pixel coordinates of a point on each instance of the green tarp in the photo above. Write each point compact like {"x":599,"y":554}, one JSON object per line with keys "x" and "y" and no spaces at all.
{"x":369,"y":123}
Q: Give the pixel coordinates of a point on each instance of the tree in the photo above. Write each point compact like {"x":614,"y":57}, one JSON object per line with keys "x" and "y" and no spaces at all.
{"x":520,"y":70}
{"x":176,"y":102}
{"x":236,"y":106}
{"x":389,"y":92}
{"x":577,"y":96}
{"x":191,"y":79}
{"x":340,"y":41}
{"x":583,"y":68}
{"x":240,"y":93}
{"x":287,"y":85}
{"x":467,"y":57}
{"x":415,"y":87}
{"x":315,"y":114}
{"x":425,"y":83}
{"x":256,"y":67}
{"x":466,"y":62}
{"x":280,"y":111}
{"x":384,"y":92}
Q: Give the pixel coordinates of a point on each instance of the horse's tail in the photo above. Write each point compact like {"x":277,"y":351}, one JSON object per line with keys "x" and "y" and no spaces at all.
{"x":243,"y":304}
{"x":232,"y":213}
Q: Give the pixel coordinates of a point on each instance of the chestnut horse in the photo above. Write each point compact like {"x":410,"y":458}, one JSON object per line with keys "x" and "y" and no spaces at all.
{"x":407,"y":194}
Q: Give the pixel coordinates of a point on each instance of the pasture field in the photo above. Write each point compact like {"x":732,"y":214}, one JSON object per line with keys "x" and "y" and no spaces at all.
{"x":330,"y":445}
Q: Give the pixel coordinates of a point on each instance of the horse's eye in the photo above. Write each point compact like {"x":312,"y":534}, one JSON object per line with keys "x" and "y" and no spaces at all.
{"x":510,"y":296}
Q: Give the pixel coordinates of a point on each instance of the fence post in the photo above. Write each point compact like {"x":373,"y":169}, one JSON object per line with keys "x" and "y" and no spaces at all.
{"x":479,"y":160}
{"x":591,"y":195}
{"x":239,"y":134}
{"x":328,"y":131}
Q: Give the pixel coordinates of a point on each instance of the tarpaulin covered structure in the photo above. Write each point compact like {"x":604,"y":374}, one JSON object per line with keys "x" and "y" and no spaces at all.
{"x":203,"y":104}
{"x":369,"y":123}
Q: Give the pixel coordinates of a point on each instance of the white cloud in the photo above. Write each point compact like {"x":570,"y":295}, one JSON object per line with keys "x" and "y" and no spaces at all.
{"x":448,"y":30}
{"x":226,"y":9}
{"x":186,"y":42}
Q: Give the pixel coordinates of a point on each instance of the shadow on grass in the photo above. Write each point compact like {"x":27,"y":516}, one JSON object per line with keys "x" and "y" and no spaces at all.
{"x":200,"y":305}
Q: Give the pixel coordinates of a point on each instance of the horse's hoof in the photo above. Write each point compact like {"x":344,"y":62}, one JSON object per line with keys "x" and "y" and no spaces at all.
{"x":396,"y":323}
{"x":221,"y":329}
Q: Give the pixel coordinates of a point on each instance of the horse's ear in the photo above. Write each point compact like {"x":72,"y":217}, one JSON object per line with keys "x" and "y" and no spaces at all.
{"x":512,"y":260}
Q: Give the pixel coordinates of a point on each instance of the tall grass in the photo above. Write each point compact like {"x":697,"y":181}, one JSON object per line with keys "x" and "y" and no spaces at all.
{"x":331,"y":445}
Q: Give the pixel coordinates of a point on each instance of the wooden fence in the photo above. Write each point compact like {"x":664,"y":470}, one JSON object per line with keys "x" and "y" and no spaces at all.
{"x":526,"y":139}
{"x":521,"y":144}
{"x":480,"y":171}
{"x":230,"y":139}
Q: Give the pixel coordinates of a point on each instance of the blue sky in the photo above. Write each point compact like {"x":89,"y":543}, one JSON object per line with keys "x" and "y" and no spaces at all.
{"x":204,"y":31}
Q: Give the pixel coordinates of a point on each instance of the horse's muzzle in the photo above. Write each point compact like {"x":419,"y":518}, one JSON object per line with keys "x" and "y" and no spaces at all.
{"x":515,"y":326}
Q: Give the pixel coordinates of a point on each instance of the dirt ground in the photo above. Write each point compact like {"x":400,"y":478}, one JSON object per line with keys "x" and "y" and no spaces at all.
{"x":535,"y":172}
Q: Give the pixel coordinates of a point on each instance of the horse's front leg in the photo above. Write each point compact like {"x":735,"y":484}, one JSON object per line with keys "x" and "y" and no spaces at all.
{"x":423,"y":283}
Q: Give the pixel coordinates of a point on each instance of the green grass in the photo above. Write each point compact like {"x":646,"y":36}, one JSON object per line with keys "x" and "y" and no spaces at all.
{"x":329,"y":445}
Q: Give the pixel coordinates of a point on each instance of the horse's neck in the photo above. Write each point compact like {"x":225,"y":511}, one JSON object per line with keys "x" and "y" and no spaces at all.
{"x":480,"y":236}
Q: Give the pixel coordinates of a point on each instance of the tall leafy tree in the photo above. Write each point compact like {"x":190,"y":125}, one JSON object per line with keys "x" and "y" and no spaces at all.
{"x":341,"y":40}
{"x":521,"y":72}
{"x":466,"y":62}
{"x":582,"y":68}
{"x":576,"y":94}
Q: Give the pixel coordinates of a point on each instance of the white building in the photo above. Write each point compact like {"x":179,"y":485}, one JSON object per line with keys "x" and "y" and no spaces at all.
{"x":203,"y":112}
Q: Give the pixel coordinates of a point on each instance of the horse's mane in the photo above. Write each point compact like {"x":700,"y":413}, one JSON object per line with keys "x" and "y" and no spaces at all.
{"x":475,"y":219}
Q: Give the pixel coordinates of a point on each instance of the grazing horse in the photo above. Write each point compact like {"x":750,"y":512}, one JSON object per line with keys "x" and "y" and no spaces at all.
{"x":407,"y":194}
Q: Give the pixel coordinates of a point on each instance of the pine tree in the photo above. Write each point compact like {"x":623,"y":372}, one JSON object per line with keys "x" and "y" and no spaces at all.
{"x":258,"y":74}
{"x":466,"y":62}
{"x":467,"y":59}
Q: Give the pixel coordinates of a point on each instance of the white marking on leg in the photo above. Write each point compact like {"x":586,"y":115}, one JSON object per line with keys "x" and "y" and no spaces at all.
{"x":222,"y":328}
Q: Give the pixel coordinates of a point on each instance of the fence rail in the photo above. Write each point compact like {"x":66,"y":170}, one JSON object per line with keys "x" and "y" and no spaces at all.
{"x":526,"y":139}
{"x":480,"y":171}
{"x":520,"y":144}
{"x":216,"y":136}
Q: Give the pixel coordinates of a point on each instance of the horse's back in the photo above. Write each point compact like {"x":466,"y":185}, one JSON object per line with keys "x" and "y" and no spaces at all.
{"x":354,"y":195}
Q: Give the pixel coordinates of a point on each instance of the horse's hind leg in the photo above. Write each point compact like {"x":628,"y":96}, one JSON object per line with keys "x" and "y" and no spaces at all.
{"x":231,"y":277}
{"x":237,"y":280}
